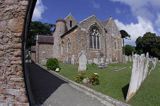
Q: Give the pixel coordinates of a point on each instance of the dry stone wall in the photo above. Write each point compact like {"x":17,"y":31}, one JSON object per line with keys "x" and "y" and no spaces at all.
{"x":12,"y":87}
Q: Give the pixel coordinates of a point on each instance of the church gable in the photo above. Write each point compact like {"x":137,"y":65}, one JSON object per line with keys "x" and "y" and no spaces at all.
{"x":111,"y":27}
{"x":70,"y":21}
{"x":88,"y":22}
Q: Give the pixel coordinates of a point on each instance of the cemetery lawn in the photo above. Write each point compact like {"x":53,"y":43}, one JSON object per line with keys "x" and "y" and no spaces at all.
{"x":114,"y":80}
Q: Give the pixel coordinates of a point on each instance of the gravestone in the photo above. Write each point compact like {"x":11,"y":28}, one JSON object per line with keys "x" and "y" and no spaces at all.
{"x":126,"y":58}
{"x":139,"y":73}
{"x":73,"y":59}
{"x":82,"y":62}
{"x":90,"y":61}
{"x":95,"y":60}
{"x":102,"y":63}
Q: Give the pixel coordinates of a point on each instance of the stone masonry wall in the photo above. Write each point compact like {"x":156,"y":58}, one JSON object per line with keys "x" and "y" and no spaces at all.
{"x":45,"y":51}
{"x":12,"y":87}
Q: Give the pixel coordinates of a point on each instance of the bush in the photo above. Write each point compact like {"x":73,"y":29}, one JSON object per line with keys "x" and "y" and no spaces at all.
{"x":94,"y":79}
{"x":79,"y":78}
{"x":52,"y":64}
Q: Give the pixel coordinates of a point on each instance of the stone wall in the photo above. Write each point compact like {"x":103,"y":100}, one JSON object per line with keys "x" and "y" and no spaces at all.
{"x":45,"y":51}
{"x":12,"y":87}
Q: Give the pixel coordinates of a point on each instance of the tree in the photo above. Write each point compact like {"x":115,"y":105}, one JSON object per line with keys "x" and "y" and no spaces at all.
{"x":129,"y":49}
{"x":124,"y":35}
{"x":148,"y":43}
{"x":38,"y":28}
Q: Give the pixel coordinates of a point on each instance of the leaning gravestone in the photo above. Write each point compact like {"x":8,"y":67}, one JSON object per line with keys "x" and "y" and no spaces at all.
{"x":140,"y":71}
{"x":134,"y":78}
{"x":82,"y":62}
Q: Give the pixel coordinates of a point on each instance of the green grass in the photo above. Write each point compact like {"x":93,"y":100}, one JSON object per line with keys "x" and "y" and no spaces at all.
{"x":112,"y":82}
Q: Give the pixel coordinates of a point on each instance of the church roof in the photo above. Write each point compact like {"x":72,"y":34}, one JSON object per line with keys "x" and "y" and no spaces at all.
{"x":43,"y":39}
{"x":69,"y":31}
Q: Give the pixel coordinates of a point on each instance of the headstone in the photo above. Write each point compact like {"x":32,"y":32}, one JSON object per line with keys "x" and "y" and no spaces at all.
{"x":82,"y":62}
{"x":130,"y":58}
{"x":90,"y":61}
{"x":102,"y":64}
{"x":107,"y":61}
{"x":126,"y":58}
{"x":101,"y":60}
{"x":73,"y":59}
{"x":134,"y":78}
{"x":95,"y":60}
{"x":154,"y":63}
{"x":146,"y":67}
{"x":139,"y":73}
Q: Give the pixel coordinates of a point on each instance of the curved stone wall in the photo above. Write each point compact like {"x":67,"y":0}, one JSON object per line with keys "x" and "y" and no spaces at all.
{"x":12,"y":86}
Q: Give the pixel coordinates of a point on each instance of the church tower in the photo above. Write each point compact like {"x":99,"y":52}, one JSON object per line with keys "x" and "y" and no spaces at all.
{"x":60,"y":29}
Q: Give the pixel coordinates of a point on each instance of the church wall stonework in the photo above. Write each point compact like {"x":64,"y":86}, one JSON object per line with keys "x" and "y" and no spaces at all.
{"x":70,"y":42}
{"x":45,"y":51}
{"x":12,"y":87}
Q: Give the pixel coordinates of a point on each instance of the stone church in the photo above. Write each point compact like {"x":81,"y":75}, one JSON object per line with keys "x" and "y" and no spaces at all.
{"x":98,"y":39}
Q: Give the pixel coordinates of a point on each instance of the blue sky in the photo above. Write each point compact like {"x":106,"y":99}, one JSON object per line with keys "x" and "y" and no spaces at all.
{"x":134,"y":16}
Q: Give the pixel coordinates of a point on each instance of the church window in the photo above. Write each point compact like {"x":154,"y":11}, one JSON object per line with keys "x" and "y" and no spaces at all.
{"x":115,"y":45}
{"x":94,"y":38}
{"x":62,"y":48}
{"x":70,"y":23}
{"x":68,"y":45}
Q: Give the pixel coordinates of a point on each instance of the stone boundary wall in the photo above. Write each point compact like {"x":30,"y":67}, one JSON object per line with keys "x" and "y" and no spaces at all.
{"x":104,"y":99}
{"x":12,"y":19}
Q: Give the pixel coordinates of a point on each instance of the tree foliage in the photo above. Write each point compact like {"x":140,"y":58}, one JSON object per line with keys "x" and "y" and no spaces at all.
{"x":38,"y":28}
{"x":124,"y":34}
{"x":148,"y":43}
{"x":129,"y":49}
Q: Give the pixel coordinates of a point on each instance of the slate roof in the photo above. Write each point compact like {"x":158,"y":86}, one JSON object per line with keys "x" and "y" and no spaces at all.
{"x":43,"y":39}
{"x":72,"y":29}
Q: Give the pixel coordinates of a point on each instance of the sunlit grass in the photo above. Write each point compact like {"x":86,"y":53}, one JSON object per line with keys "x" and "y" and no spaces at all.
{"x":117,"y":76}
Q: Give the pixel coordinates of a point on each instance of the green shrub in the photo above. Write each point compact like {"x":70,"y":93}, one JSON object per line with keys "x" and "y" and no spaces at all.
{"x":94,"y":79}
{"x":79,"y":78}
{"x":52,"y":64}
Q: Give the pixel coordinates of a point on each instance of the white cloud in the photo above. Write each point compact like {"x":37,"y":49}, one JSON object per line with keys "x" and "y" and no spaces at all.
{"x":141,"y":7}
{"x":38,"y":11}
{"x":136,"y":29}
{"x":95,"y":4}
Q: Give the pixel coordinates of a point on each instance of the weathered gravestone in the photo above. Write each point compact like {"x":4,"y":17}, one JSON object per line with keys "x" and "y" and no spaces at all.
{"x":90,"y":61}
{"x":82,"y":62}
{"x":102,"y":63}
{"x":73,"y":59}
{"x":153,"y":62}
{"x":95,"y":60}
{"x":139,"y":74}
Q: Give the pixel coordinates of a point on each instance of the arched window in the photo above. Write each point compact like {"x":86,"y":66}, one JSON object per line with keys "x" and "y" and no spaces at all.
{"x":94,"y":37}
